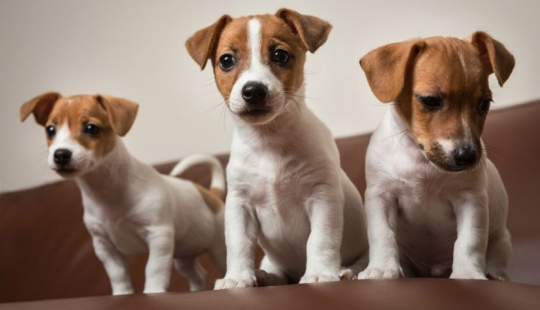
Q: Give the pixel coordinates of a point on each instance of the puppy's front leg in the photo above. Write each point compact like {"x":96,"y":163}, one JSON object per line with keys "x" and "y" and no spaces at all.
{"x":472,"y":217}
{"x":325,"y":211}
{"x":381,"y":214}
{"x":158,"y":268}
{"x":241,"y":230}
{"x":112,"y":260}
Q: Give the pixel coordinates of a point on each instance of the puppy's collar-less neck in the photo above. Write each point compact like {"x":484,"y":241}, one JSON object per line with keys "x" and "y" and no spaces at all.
{"x":109,"y":169}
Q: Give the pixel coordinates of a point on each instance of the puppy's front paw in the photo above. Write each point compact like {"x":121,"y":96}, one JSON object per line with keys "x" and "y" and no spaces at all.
{"x":320,"y":277}
{"x":497,"y":277}
{"x":244,"y":279}
{"x":392,"y":272}
{"x":468,"y":274}
{"x":122,"y":289}
{"x":154,"y":290}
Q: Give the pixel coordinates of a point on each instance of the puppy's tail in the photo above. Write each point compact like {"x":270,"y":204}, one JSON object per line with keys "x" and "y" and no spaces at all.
{"x":217,"y":186}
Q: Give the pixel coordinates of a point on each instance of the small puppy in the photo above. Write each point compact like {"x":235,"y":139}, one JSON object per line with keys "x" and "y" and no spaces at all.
{"x":130,"y":208}
{"x":435,"y":205}
{"x":286,"y":188}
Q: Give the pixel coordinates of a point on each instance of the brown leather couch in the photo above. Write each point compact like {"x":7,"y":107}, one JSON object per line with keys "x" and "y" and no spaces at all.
{"x":47,"y":259}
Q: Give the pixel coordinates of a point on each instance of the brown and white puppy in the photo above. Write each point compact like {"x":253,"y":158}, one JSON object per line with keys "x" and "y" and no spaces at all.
{"x":286,"y":187}
{"x":130,"y":208}
{"x":435,"y":204}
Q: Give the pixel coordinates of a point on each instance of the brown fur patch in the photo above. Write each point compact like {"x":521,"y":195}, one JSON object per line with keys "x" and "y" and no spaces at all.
{"x":452,"y":70}
{"x":213,"y":198}
{"x":275,"y":34}
{"x":233,"y":40}
{"x":79,"y":111}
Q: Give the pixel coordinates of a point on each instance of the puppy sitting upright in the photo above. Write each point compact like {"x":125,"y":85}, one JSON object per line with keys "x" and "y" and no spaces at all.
{"x":129,"y":207}
{"x":286,"y":187}
{"x":435,"y":204}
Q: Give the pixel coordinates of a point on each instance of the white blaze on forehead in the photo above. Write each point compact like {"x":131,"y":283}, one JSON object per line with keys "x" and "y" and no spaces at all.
{"x":257,"y":70}
{"x":462,"y":60}
{"x":254,"y":29}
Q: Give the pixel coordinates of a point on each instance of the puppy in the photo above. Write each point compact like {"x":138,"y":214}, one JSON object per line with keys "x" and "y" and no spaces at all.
{"x":435,"y":204}
{"x":286,"y":188}
{"x":130,"y":208}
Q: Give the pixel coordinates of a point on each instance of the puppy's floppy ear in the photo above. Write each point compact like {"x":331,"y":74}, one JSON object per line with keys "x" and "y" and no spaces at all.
{"x":202,"y":45}
{"x":41,"y":107}
{"x":121,"y":112}
{"x":494,"y":55}
{"x":387,"y":67}
{"x":312,"y":31}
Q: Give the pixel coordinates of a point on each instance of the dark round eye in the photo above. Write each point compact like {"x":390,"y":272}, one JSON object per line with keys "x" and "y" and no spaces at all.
{"x":484,"y":106}
{"x":280,"y":56}
{"x":51,"y":131}
{"x":92,"y":130}
{"x":431,"y":103}
{"x":227,"y":62}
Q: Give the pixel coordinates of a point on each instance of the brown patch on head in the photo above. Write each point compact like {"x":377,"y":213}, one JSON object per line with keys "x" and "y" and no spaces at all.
{"x":213,"y":198}
{"x":110,"y":115}
{"x":440,"y":87}
{"x":287,"y":30}
{"x":447,"y":72}
{"x":78,"y":112}
{"x":277,"y":35}
{"x":234,"y":41}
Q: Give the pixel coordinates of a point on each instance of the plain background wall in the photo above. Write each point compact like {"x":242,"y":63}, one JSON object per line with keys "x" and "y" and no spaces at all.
{"x":135,"y":49}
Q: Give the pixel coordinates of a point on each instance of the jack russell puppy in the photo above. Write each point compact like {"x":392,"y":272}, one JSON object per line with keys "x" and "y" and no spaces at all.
{"x":130,"y":208}
{"x":435,"y":204}
{"x":286,"y":187}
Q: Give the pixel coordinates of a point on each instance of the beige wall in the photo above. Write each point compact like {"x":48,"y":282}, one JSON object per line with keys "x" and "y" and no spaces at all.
{"x":135,"y":49}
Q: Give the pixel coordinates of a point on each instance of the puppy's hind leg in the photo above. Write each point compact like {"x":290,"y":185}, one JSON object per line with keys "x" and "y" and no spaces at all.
{"x":219,"y":256}
{"x":498,"y":254}
{"x":191,"y":269}
{"x":269,"y":274}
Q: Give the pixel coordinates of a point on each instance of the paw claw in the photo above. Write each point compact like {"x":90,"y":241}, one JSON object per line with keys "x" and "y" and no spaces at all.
{"x":346,"y":274}
{"x":381,"y":273}
{"x":319,"y":278}
{"x":247,"y":279}
{"x":468,"y":275}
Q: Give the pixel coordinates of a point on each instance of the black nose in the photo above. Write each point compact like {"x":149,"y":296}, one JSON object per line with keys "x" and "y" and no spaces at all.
{"x":62,"y":157}
{"x":465,"y":156}
{"x":254,"y":93}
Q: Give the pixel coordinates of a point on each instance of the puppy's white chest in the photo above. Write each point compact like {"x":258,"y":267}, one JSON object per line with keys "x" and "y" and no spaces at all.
{"x":277,"y":190}
{"x":128,"y":237}
{"x":125,"y":232}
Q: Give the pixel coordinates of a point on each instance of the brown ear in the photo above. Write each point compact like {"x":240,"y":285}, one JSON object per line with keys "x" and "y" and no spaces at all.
{"x":202,"y":45}
{"x":41,"y":107}
{"x":494,"y":55}
{"x":386,"y":67}
{"x":121,"y":112}
{"x":312,"y":31}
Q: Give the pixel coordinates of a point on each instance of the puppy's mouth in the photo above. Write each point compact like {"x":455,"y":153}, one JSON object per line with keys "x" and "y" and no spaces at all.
{"x":255,"y":113}
{"x":66,"y":171}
